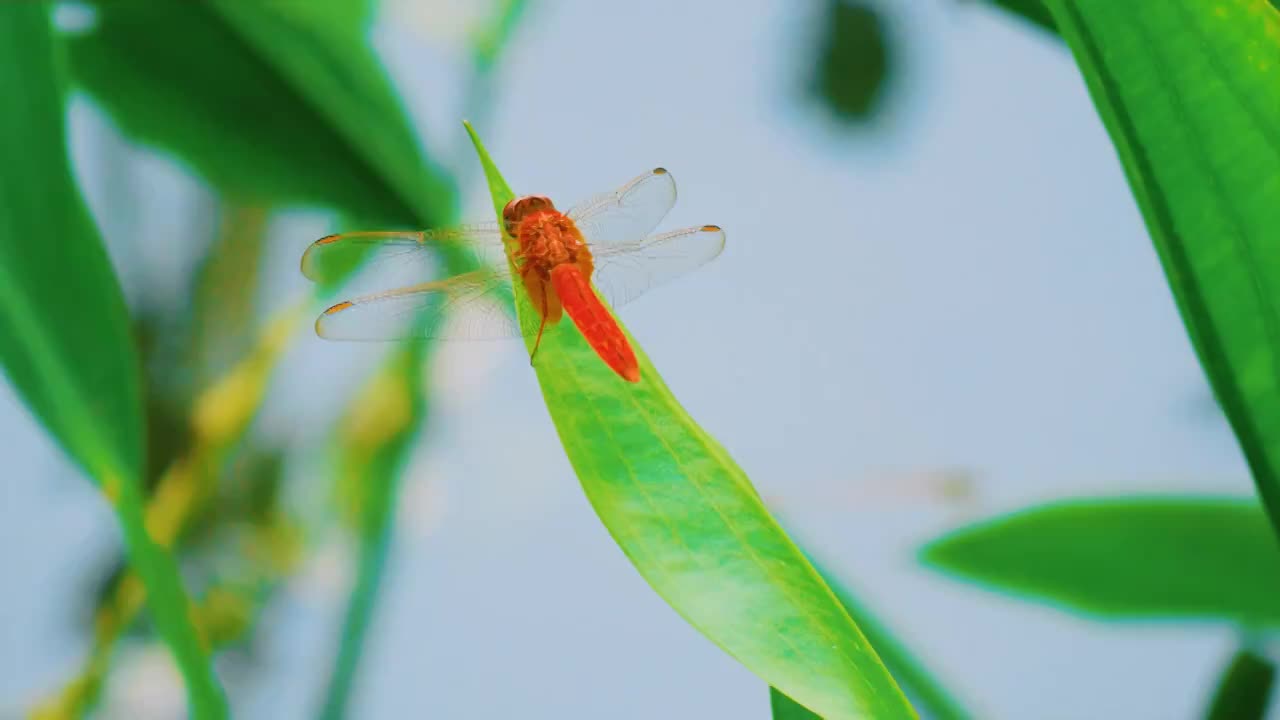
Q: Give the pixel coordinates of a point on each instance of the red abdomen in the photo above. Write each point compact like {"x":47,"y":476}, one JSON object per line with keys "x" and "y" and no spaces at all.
{"x":594,"y":321}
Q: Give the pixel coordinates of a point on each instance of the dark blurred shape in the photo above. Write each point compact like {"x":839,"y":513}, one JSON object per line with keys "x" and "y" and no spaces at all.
{"x":1244,"y":692}
{"x":1032,"y":11}
{"x":853,"y":62}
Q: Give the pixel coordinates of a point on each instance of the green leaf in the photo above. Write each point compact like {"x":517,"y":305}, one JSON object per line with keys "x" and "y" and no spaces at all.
{"x":271,"y":103}
{"x":64,"y":332}
{"x":1190,"y":557}
{"x":347,"y":87}
{"x":1190,"y":95}
{"x":689,"y":520}
{"x":1245,"y":689}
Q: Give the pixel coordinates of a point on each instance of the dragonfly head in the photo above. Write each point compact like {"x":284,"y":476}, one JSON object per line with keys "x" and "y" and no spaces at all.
{"x":520,"y":208}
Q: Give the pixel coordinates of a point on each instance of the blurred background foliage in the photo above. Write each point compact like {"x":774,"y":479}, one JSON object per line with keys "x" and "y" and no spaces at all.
{"x":285,"y":105}
{"x":273,"y":106}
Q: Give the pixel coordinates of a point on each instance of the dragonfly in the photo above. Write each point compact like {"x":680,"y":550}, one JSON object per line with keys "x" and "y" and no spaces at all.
{"x":607,"y":241}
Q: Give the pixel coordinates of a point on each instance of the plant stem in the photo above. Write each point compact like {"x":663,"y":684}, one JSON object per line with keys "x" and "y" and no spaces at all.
{"x":168,"y":603}
{"x":373,"y":460}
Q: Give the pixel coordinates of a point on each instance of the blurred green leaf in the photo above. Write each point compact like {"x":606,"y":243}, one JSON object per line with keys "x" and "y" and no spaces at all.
{"x":689,"y":520}
{"x":1245,"y":689}
{"x":853,"y":61}
{"x":1189,"y":94}
{"x":272,"y":103}
{"x":338,"y":74}
{"x":64,"y":329}
{"x":1199,"y":557}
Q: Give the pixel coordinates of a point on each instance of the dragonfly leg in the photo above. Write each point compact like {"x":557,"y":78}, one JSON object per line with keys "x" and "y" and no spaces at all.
{"x":541,"y":326}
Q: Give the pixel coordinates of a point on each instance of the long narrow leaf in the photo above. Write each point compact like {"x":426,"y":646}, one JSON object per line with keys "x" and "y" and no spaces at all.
{"x":64,"y":335}
{"x":1188,"y":91}
{"x":689,"y":520}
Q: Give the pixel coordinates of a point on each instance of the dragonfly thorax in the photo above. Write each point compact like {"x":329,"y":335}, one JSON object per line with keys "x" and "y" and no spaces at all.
{"x":548,"y":238}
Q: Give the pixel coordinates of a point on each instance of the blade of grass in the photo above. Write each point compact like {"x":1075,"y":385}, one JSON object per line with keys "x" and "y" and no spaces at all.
{"x":1244,"y":691}
{"x":64,"y":338}
{"x":692,"y":524}
{"x":1188,"y":93}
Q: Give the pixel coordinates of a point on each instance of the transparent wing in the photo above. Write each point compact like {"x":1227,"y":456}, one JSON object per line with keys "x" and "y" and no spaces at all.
{"x":394,"y":258}
{"x":472,"y":306}
{"x":625,"y":272}
{"x":629,"y":213}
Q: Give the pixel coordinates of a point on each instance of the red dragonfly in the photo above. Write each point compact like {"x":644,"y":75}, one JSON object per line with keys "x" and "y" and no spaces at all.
{"x":557,"y":256}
